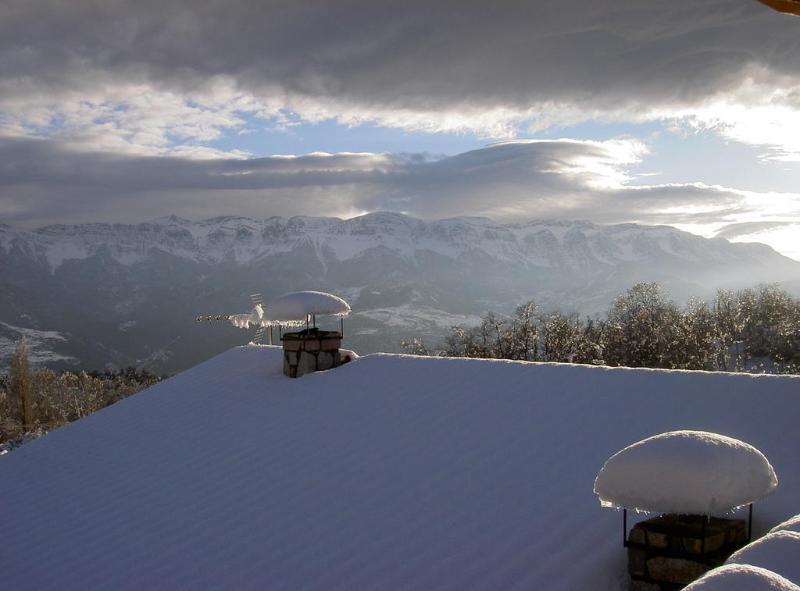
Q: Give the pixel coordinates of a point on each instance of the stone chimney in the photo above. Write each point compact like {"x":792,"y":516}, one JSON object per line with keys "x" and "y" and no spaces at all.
{"x":668,"y":552}
{"x":310,"y":350}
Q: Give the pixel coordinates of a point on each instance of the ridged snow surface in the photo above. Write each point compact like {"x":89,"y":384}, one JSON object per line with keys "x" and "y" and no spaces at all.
{"x":390,"y":472}
{"x":742,"y":577}
{"x":686,"y":472}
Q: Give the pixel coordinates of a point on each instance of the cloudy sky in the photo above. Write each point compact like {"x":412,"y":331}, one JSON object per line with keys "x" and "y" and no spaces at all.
{"x":683,"y":112}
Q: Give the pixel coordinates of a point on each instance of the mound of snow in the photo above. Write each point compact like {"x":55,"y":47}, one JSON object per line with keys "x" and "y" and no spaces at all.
{"x":792,"y":524}
{"x":778,"y":552}
{"x":298,"y":305}
{"x":687,"y":472}
{"x":348,"y":353}
{"x":741,"y":577}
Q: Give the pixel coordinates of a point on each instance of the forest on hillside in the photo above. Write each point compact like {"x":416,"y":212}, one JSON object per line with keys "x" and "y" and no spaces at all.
{"x":750,"y":330}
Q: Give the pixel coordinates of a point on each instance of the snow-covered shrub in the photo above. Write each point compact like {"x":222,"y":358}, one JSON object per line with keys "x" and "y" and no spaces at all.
{"x":777,"y":551}
{"x":742,"y":577}
{"x":791,"y":524}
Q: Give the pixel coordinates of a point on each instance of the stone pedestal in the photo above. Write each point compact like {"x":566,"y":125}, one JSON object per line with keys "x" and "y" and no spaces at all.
{"x":310,"y":350}
{"x":667,"y":553}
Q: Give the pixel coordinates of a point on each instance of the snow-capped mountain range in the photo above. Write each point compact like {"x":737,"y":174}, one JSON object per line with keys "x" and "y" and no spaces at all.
{"x":126,"y":294}
{"x":238,"y":240}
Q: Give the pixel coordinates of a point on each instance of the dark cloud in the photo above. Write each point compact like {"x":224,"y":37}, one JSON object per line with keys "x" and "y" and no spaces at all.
{"x":42,"y":181}
{"x":404,"y":57}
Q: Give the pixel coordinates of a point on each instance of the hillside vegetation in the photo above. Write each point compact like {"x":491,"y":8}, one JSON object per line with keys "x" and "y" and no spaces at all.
{"x":754,"y":330}
{"x":33,"y":402}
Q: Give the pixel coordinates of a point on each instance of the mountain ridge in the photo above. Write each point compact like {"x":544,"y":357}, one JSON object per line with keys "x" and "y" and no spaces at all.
{"x":245,"y":239}
{"x":126,"y":294}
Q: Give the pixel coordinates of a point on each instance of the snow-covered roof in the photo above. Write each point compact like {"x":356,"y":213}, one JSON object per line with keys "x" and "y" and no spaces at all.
{"x":296,"y":306}
{"x":390,"y":472}
{"x":742,"y":577}
{"x":689,"y":472}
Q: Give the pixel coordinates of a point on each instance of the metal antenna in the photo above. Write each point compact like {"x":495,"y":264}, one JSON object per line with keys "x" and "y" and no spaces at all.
{"x":258,"y":300}
{"x":217,"y":318}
